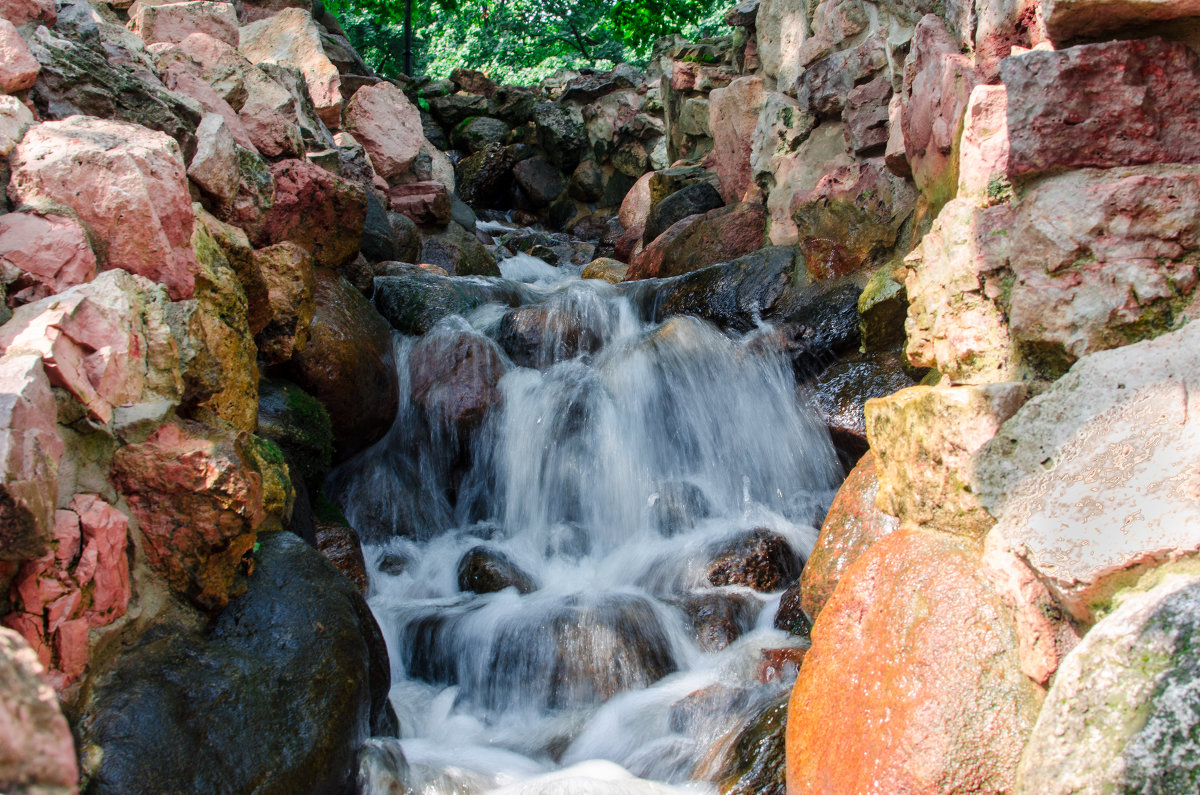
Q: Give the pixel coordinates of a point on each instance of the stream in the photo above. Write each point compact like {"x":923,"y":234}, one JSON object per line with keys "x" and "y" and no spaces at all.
{"x":602,"y":484}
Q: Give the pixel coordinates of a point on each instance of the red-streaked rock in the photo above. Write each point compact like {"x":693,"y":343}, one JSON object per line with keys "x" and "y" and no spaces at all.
{"x":105,"y":536}
{"x":39,"y":752}
{"x":455,"y":377}
{"x":67,"y":537}
{"x":732,"y":117}
{"x":292,"y":38}
{"x":198,"y":499}
{"x":853,"y":214}
{"x":387,"y":125}
{"x":106,"y":342}
{"x":18,"y":68}
{"x":852,"y":525}
{"x":912,"y":683}
{"x":43,"y":254}
{"x":30,"y":452}
{"x":1117,"y":103}
{"x":317,"y":210}
{"x":1073,"y":19}
{"x":23,"y":12}
{"x":174,"y":22}
{"x":426,"y":203}
{"x":127,"y":183}
{"x":287,"y":270}
{"x":938,"y":80}
{"x":701,"y":240}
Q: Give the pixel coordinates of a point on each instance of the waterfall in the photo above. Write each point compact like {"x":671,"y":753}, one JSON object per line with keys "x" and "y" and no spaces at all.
{"x":617,"y":457}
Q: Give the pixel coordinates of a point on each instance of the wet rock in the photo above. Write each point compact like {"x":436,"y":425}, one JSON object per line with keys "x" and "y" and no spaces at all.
{"x":348,"y":365}
{"x":292,"y":38}
{"x":125,"y":182}
{"x":1109,"y":415}
{"x":851,"y":526}
{"x":821,"y":324}
{"x":1119,"y":712}
{"x":755,"y":762}
{"x":790,"y":616}
{"x":198,"y":497}
{"x":883,"y":308}
{"x":39,"y":750}
{"x":287,"y":270}
{"x":477,"y":132}
{"x":540,"y":335}
{"x":394,"y":563}
{"x":387,"y":125}
{"x":924,"y":439}
{"x":697,"y":198}
{"x":718,"y":619}
{"x":426,"y":203}
{"x":379,"y":242}
{"x":18,"y":67}
{"x":482,"y":570}
{"x":341,"y":547}
{"x":561,"y":134}
{"x":459,"y":253}
{"x":301,"y":636}
{"x":676,"y":507}
{"x":414,"y":300}
{"x":455,"y":377}
{"x":610,"y":270}
{"x":1141,"y":88}
{"x":316,"y":210}
{"x":299,"y":424}
{"x":758,"y":559}
{"x":699,"y":241}
{"x":587,"y":182}
{"x":732,"y":117}
{"x":42,"y":254}
{"x":30,"y":452}
{"x":78,"y":79}
{"x":484,"y":177}
{"x":853,"y":215}
{"x":540,"y":180}
{"x":915,"y":617}
{"x":842,"y":390}
{"x":173,"y":22}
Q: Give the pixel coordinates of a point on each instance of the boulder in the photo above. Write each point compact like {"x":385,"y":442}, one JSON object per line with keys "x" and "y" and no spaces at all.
{"x":782,"y":126}
{"x":278,"y":109}
{"x":39,"y":750}
{"x":214,"y":167}
{"x":825,"y":86}
{"x":851,"y":526}
{"x":1117,"y":103}
{"x":561,"y":133}
{"x":455,"y":377}
{"x":426,"y":203}
{"x":822,"y":152}
{"x":413,"y":300}
{"x":173,"y":22}
{"x":732,"y":117}
{"x":1118,"y":715}
{"x":472,"y":81}
{"x":215,"y":62}
{"x":718,"y":618}
{"x":30,"y":452}
{"x":1126,"y":413}
{"x":455,"y":108}
{"x":542,"y":334}
{"x":197,"y":493}
{"x":76,"y":79}
{"x":482,"y":570}
{"x":610,"y":270}
{"x":485,"y":177}
{"x":18,"y":68}
{"x":341,"y":547}
{"x":694,"y":199}
{"x":299,"y":425}
{"x":126,"y":183}
{"x":1076,"y":19}
{"x":477,"y":132}
{"x":301,"y":635}
{"x":841,"y":391}
{"x":781,"y":27}
{"x":42,"y":254}
{"x":23,"y":12}
{"x":702,"y":240}
{"x":883,"y":309}
{"x":983,"y":150}
{"x":293,"y":38}
{"x":287,"y":270}
{"x":755,"y":762}
{"x":866,"y":116}
{"x":319,"y":211}
{"x":387,"y":125}
{"x":924,"y":439}
{"x":106,"y":343}
{"x":234,"y":244}
{"x":759,"y":559}
{"x":540,"y":180}
{"x":458,"y":252}
{"x":851,"y":217}
{"x":834,"y":25}
{"x":635,"y":207}
{"x":15,"y":119}
{"x":947,"y":708}
{"x":348,"y":365}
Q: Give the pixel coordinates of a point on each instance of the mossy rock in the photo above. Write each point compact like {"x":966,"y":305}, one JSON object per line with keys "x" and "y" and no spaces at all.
{"x":299,"y":425}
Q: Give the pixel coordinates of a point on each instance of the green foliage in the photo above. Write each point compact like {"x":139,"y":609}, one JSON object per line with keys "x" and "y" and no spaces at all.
{"x":519,"y":41}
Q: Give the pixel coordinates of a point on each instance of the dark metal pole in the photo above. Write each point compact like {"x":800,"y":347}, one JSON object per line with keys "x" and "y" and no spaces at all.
{"x":408,"y":67}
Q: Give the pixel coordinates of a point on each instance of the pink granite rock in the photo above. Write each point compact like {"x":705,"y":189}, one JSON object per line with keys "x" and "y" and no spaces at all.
{"x":272,"y":133}
{"x":30,"y":452}
{"x":18,"y":68}
{"x":320,"y":211}
{"x":39,"y":752}
{"x":983,"y":151}
{"x":292,"y":38}
{"x":15,"y":119}
{"x":635,"y":207}
{"x":1117,"y":103}
{"x":127,"y":183}
{"x":105,"y":536}
{"x":219,"y":65}
{"x":174,"y":22}
{"x":43,"y":254}
{"x":732,"y":117}
{"x":214,"y":167}
{"x":107,"y":342}
{"x":426,"y":203}
{"x":1071,"y":19}
{"x":387,"y":125}
{"x":937,"y":82}
{"x":186,"y":80}
{"x":23,"y":12}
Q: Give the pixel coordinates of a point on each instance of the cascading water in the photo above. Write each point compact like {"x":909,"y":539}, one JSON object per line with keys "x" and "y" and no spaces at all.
{"x":610,"y":469}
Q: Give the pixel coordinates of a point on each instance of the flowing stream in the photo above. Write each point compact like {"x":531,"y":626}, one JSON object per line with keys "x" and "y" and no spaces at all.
{"x":608,"y":479}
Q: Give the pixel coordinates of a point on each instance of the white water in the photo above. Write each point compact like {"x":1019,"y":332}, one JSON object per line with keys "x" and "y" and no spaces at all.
{"x":574,"y":687}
